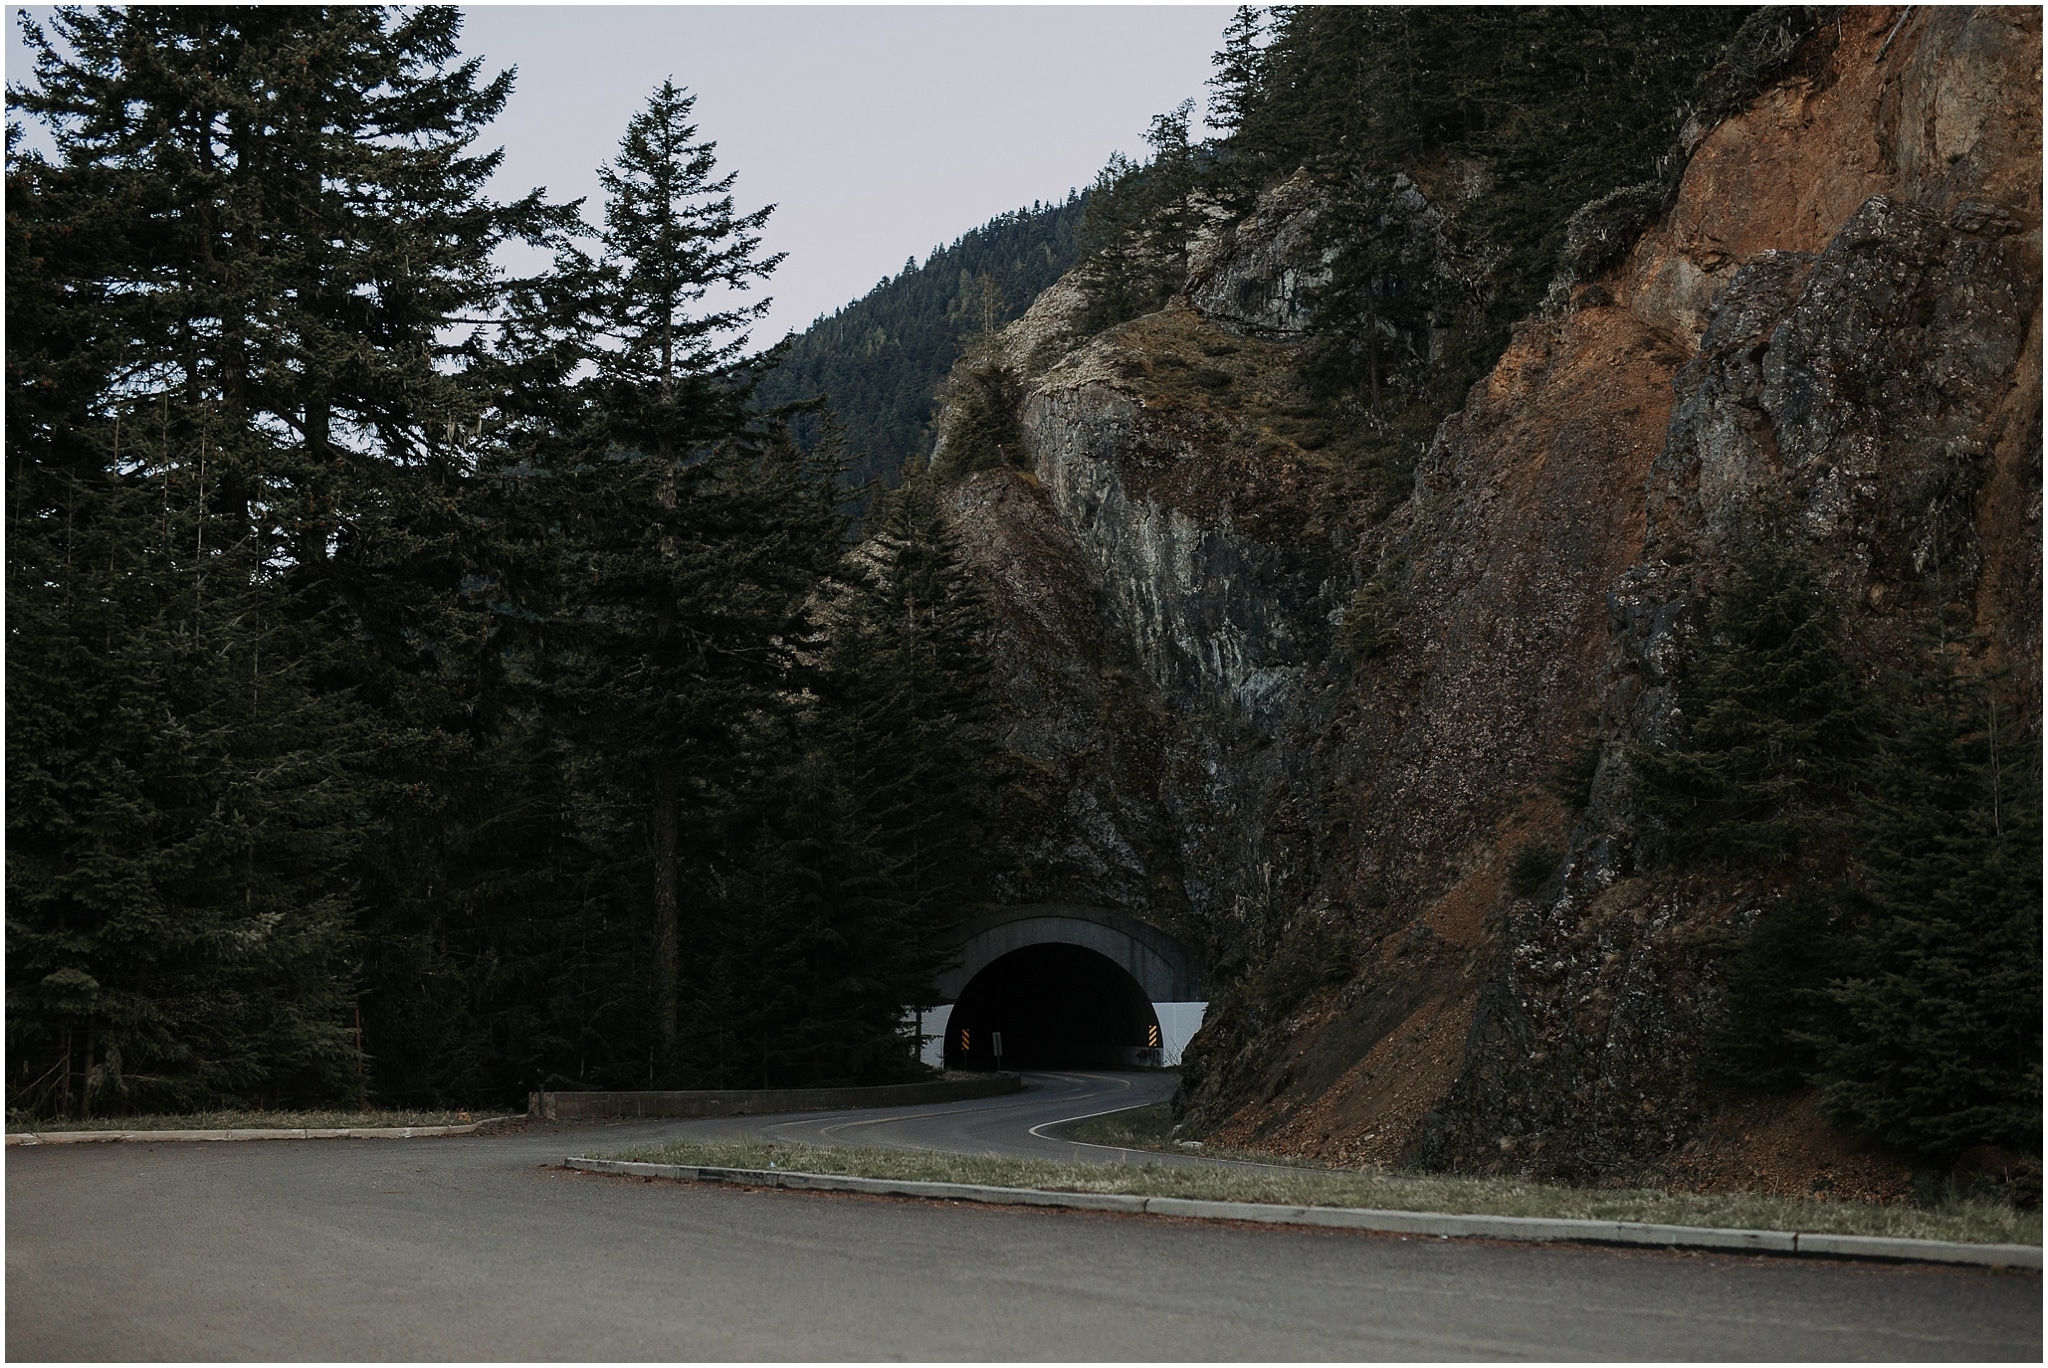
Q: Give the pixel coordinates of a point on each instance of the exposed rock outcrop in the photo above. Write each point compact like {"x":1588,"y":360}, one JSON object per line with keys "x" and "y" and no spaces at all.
{"x":1257,"y":275}
{"x":1840,"y":306}
{"x":1878,"y":377}
{"x":1154,"y":643}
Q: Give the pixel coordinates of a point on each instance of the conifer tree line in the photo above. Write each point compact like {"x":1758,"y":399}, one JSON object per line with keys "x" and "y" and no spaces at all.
{"x":882,"y":359}
{"x":1455,"y":152}
{"x":426,"y":685}
{"x":1895,"y":823}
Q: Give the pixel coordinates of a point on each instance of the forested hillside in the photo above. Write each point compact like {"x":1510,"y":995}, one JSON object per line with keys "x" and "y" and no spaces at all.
{"x":879,"y":360}
{"x":422,"y":686}
{"x":1570,"y":604}
{"x":1460,"y":158}
{"x":1523,"y":549}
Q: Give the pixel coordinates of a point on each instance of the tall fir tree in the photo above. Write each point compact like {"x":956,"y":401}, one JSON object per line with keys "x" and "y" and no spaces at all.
{"x":873,"y":841}
{"x":1139,"y":224}
{"x":909,"y":656}
{"x":255,"y":232}
{"x":1238,"y":70}
{"x":1773,"y":713}
{"x":692,"y":538}
{"x":1935,"y":1043}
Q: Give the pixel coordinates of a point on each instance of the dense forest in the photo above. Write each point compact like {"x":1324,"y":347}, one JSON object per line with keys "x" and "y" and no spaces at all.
{"x":424,"y":685}
{"x":879,"y":361}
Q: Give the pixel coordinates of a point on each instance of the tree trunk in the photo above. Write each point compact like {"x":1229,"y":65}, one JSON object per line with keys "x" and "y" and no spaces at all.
{"x":667,"y":898}
{"x":666,"y":903}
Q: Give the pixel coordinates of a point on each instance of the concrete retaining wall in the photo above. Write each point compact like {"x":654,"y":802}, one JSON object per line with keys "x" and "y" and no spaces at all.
{"x":571,"y":1106}
{"x":1178,"y":1022}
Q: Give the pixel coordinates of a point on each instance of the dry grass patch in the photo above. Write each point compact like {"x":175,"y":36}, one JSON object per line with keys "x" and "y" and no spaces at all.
{"x":17,"y":1122}
{"x":1380,"y":1189}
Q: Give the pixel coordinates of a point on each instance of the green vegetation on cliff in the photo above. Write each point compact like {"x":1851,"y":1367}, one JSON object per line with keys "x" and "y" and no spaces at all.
{"x":1506,"y":121}
{"x":880,"y":360}
{"x":1900,"y":970}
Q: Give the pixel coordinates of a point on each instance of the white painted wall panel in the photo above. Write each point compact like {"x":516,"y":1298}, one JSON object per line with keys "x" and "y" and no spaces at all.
{"x":931,"y":1030}
{"x":1178,"y":1022}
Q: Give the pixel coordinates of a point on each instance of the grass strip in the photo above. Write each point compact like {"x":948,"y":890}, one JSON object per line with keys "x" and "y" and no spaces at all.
{"x":19,"y":1122}
{"x":1974,"y":1222}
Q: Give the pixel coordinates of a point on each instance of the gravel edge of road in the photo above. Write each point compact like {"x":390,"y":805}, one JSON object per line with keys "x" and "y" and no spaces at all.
{"x":106,"y":1137}
{"x":1524,"y":1228}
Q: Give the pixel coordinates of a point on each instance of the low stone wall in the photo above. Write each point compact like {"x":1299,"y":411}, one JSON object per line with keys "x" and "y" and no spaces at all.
{"x":579,"y":1106}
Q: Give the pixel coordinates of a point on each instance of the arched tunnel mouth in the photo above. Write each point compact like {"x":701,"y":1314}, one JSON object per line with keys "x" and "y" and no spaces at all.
{"x":1056,"y":1007}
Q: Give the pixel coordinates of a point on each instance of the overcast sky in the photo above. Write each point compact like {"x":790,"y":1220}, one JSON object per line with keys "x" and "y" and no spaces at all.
{"x":879,"y":132}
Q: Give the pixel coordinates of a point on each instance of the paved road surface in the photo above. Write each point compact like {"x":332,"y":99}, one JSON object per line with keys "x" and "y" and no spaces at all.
{"x":484,"y":1248}
{"x":1025,"y":1124}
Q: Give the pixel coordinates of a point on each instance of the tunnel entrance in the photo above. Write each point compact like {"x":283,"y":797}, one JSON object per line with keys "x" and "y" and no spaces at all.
{"x":1056,"y":1006}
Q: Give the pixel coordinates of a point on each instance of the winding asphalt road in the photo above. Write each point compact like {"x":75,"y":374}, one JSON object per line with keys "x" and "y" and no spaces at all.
{"x":486,"y":1248}
{"x":1027,"y":1124}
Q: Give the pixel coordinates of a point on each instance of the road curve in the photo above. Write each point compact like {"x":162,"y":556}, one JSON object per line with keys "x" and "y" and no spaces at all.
{"x":1026,"y":1124}
{"x":486,"y":1248}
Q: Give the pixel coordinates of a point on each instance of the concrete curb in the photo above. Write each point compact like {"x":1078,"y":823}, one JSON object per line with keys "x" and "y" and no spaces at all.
{"x":1532,"y":1228}
{"x":593,"y":1106}
{"x":107,"y":1137}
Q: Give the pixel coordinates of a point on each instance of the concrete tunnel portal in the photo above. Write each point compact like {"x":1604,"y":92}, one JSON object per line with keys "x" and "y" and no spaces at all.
{"x":1064,"y":986}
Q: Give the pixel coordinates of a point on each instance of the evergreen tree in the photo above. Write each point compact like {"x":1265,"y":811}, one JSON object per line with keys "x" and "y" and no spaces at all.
{"x":1111,"y":272}
{"x":1936,"y":1042}
{"x":672,"y":235}
{"x":882,"y":825}
{"x":911,"y":678}
{"x":1773,"y":714}
{"x":691,"y":543}
{"x":1238,"y":70}
{"x":1779,"y":972}
{"x":1139,"y":223}
{"x":1900,"y":973}
{"x":980,"y":428}
{"x":1173,"y":216}
{"x":247,"y":254}
{"x":1372,"y":314}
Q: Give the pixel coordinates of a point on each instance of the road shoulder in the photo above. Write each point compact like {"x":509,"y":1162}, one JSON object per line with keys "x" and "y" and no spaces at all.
{"x":1442,"y":1225}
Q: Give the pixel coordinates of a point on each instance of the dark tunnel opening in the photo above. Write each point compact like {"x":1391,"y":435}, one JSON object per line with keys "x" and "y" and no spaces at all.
{"x":1055,"y":1006}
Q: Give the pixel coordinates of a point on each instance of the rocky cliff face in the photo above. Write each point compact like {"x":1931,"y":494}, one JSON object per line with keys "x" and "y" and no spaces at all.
{"x":1164,"y":592}
{"x":1841,"y":306}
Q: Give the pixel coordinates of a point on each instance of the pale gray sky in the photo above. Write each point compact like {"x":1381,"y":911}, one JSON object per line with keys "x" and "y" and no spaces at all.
{"x":880,"y":132}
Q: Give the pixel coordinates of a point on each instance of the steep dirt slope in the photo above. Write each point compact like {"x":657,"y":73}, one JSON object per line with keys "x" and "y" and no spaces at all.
{"x":1841,"y":303}
{"x":1877,"y":373}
